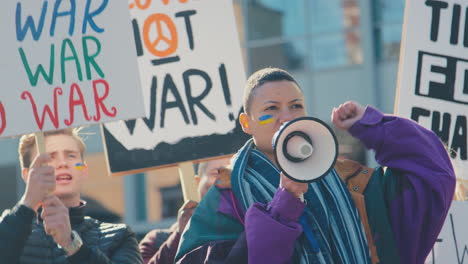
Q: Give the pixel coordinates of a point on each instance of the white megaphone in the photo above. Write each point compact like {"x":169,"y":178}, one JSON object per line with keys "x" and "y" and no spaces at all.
{"x":305,"y":149}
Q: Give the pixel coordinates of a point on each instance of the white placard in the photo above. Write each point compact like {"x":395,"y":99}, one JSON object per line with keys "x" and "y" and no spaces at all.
{"x":433,"y":72}
{"x":451,"y":245}
{"x":66,"y":63}
{"x":193,"y":77}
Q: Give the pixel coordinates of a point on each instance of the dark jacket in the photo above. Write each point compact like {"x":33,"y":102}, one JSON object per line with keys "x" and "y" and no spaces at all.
{"x":23,"y":240}
{"x":159,"y":246}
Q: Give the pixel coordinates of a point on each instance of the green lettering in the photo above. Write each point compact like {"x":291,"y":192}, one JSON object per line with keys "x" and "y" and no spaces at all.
{"x":90,"y":59}
{"x":34,"y":78}
{"x":63,"y":58}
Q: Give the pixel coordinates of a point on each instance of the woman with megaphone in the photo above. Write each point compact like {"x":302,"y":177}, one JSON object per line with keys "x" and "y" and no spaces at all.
{"x":352,"y":214}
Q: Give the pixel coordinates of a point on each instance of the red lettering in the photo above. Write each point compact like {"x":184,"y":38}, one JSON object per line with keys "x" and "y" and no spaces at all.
{"x":72,"y":103}
{"x":53,"y":117}
{"x":2,"y":118}
{"x":99,"y":100}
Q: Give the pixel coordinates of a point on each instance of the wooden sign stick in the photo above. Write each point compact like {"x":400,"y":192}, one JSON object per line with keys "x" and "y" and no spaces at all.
{"x":40,"y":143}
{"x":187,"y":180}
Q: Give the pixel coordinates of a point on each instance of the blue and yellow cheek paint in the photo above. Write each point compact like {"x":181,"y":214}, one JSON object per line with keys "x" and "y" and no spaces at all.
{"x":79,"y":166}
{"x":265,"y":119}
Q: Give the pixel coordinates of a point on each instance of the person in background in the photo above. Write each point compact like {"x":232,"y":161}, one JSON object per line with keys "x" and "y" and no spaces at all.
{"x":48,"y":224}
{"x":159,"y":246}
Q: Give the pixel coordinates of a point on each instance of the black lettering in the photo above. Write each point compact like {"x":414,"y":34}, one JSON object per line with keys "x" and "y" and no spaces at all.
{"x":137,"y":37}
{"x":436,"y":89}
{"x":192,"y":101}
{"x":438,"y":240}
{"x":225,"y":85}
{"x":416,"y":112}
{"x":435,"y":21}
{"x":188,"y":26}
{"x":169,"y":85}
{"x":465,"y":37}
{"x":460,"y":261}
{"x":152,"y":116}
{"x":455,"y":24}
{"x":442,"y":130}
{"x":459,"y":138}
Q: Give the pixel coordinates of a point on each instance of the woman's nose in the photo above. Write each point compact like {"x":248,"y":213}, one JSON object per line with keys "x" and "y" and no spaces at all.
{"x":286,"y":116}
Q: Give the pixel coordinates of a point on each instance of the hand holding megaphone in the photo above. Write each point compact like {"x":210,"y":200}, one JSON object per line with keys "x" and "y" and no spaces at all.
{"x":296,"y":188}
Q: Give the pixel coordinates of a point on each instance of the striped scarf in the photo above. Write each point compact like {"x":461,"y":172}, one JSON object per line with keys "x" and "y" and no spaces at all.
{"x":330,"y":214}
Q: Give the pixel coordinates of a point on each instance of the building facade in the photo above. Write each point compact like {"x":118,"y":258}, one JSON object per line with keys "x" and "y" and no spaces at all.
{"x":338,"y":50}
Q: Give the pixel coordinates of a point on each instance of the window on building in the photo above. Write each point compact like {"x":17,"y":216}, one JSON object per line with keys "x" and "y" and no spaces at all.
{"x":275,"y":19}
{"x":388,"y":21}
{"x":288,"y":55}
{"x":300,"y":35}
{"x":172,"y":200}
{"x":335,"y":36}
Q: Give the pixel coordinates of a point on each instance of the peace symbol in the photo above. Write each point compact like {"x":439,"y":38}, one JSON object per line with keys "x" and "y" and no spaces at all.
{"x":151,"y":45}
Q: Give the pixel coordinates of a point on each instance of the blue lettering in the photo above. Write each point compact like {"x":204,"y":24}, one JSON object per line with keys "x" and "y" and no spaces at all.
{"x":70,"y":13}
{"x":29,"y":24}
{"x":88,"y":17}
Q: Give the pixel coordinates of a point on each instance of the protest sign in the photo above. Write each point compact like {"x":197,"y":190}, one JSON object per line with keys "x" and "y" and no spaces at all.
{"x":433,"y":72}
{"x":65,"y":64}
{"x":193,"y":77}
{"x":433,"y":91}
{"x":452,"y":242}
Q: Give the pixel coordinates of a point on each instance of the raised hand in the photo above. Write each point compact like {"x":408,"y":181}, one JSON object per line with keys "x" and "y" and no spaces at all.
{"x":184,"y":215}
{"x":347,"y":114}
{"x":40,"y":182}
{"x":56,"y":220}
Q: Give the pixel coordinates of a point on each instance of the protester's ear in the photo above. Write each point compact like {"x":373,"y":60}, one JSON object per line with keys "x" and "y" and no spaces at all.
{"x":24,"y":174}
{"x":244,"y":122}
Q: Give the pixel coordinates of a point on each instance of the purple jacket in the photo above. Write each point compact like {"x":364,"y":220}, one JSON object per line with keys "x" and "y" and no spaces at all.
{"x":416,"y":213}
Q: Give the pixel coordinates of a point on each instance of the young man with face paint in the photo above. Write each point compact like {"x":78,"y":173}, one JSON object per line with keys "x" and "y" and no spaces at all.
{"x":160,"y":246}
{"x":48,"y":225}
{"x":260,"y":218}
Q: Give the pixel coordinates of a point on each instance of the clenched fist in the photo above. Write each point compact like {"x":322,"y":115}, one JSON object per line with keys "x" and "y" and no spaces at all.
{"x":40,"y":182}
{"x":347,"y":114}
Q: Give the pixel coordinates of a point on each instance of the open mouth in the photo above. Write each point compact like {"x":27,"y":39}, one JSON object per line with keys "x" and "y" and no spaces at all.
{"x":63,"y":178}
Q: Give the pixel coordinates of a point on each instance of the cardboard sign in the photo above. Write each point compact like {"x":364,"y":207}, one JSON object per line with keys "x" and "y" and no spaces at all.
{"x":433,"y":72}
{"x":193,"y":79}
{"x":66,"y":63}
{"x":451,"y":245}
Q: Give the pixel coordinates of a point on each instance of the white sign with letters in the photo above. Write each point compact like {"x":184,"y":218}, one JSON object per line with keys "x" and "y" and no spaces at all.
{"x":193,"y":77}
{"x":65,"y":64}
{"x":433,"y":71}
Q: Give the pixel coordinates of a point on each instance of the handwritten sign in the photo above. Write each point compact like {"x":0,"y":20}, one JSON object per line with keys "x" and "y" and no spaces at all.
{"x":66,"y":63}
{"x":433,"y":72}
{"x":193,"y":79}
{"x":433,"y":91}
{"x":452,"y":242}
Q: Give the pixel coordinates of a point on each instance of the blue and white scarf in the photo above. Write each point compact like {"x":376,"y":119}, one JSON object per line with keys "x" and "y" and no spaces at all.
{"x":330,"y":214}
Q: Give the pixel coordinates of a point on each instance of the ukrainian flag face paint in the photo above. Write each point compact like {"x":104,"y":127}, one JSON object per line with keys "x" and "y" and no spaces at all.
{"x":265,"y":119}
{"x":79,"y":166}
